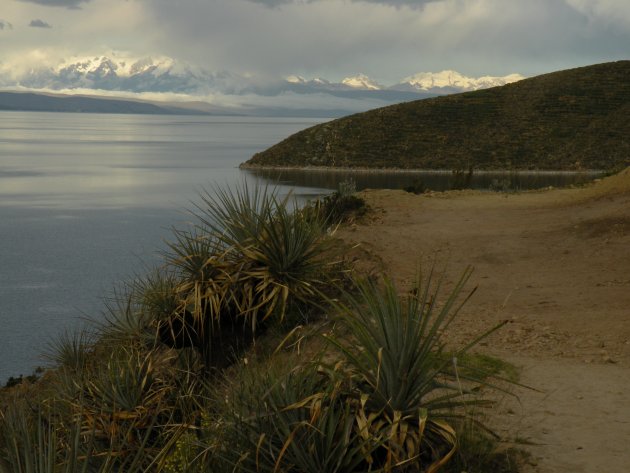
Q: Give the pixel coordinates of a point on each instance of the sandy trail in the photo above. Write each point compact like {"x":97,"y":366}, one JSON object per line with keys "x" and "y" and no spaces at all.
{"x":556,"y":264}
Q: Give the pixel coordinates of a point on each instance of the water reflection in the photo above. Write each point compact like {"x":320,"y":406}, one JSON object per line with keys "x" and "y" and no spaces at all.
{"x":434,"y":180}
{"x":118,"y":161}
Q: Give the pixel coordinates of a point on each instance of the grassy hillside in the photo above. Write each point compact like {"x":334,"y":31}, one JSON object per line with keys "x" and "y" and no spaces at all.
{"x":574,"y":119}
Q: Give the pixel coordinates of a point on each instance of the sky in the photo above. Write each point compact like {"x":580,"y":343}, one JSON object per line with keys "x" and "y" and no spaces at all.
{"x":267,"y":39}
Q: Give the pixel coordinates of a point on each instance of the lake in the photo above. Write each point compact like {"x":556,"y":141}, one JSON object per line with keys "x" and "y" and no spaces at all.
{"x":86,"y":201}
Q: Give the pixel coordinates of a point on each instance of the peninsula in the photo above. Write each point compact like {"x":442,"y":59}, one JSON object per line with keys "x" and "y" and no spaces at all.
{"x":577,"y":119}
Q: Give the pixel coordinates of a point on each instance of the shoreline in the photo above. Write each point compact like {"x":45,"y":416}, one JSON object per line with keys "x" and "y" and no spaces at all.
{"x":362,"y":170}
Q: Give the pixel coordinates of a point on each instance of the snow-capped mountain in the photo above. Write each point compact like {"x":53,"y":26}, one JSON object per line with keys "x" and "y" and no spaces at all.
{"x":116,"y":73}
{"x":452,"y":81}
{"x":361,"y":81}
{"x":301,"y":81}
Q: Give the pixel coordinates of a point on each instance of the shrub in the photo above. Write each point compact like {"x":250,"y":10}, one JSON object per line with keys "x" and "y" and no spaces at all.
{"x":341,"y":206}
{"x":393,"y":403}
{"x":250,"y":257}
{"x":416,"y":187}
{"x":462,"y":178}
{"x":402,"y":374}
{"x":289,"y":419}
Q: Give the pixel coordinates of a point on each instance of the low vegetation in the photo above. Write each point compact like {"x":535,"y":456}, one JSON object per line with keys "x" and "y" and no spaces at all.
{"x":341,"y":206}
{"x":576,"y":119}
{"x":245,"y":353}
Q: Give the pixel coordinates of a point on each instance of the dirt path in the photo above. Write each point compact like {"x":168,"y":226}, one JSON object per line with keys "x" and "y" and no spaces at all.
{"x":556,"y":264}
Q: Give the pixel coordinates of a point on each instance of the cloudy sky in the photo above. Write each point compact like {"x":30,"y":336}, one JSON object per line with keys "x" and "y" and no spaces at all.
{"x":385,"y":39}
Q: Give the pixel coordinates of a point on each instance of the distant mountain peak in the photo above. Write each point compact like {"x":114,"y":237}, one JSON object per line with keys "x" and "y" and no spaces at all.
{"x":293,"y":79}
{"x":296,"y":79}
{"x":361,"y":81}
{"x":449,"y":79}
{"x":121,"y":66}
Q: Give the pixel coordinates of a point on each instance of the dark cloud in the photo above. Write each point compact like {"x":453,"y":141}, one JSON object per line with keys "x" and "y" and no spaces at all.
{"x":5,"y":25}
{"x":273,"y":3}
{"x":39,"y":24}
{"x":58,"y":3}
{"x":396,"y":3}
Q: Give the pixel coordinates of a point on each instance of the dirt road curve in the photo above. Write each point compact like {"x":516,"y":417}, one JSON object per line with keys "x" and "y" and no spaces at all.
{"x":556,"y":264}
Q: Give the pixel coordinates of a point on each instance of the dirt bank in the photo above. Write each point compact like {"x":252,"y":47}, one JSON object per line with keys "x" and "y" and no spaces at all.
{"x":556,"y":264}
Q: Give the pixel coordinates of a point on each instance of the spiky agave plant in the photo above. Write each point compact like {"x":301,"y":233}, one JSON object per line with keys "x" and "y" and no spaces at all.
{"x":283,"y":262}
{"x":250,"y":256}
{"x":126,"y":401}
{"x":32,"y":440}
{"x":198,"y":261}
{"x":275,"y":254}
{"x":41,"y":438}
{"x":125,"y":319}
{"x":150,"y":311}
{"x":403,"y":379}
{"x":288,"y":419}
{"x":70,"y":350}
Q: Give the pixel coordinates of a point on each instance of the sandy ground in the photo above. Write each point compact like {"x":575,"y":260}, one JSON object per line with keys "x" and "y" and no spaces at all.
{"x":556,"y":264}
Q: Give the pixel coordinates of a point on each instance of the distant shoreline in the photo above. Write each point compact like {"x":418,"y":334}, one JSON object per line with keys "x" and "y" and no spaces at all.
{"x":366,"y":170}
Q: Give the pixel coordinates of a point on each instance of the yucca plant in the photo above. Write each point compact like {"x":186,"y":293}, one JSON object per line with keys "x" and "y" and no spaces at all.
{"x":124,"y":320}
{"x":126,"y":401}
{"x":37,"y":438}
{"x":280,"y":419}
{"x":70,"y":350}
{"x":251,"y":256}
{"x":203,"y":274}
{"x":403,"y":379}
{"x":342,"y":205}
{"x":275,"y":254}
{"x":149,"y":311}
{"x":284,"y":261}
{"x":198,"y":258}
{"x":236,"y":213}
{"x":26,"y":443}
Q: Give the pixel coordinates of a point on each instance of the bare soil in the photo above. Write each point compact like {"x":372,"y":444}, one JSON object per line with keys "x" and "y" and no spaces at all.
{"x":556,"y":265}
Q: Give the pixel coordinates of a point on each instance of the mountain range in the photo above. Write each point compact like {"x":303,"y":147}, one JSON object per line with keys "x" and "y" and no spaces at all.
{"x":140,"y":77}
{"x":164,"y":74}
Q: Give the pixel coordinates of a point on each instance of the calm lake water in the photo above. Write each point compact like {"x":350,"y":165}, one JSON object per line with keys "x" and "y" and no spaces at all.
{"x":86,"y":201}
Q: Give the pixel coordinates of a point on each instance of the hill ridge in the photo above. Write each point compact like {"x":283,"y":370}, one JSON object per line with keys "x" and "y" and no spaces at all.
{"x":576,"y":119}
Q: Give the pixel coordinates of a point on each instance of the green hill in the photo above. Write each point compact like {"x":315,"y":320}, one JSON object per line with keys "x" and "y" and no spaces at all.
{"x":574,"y":119}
